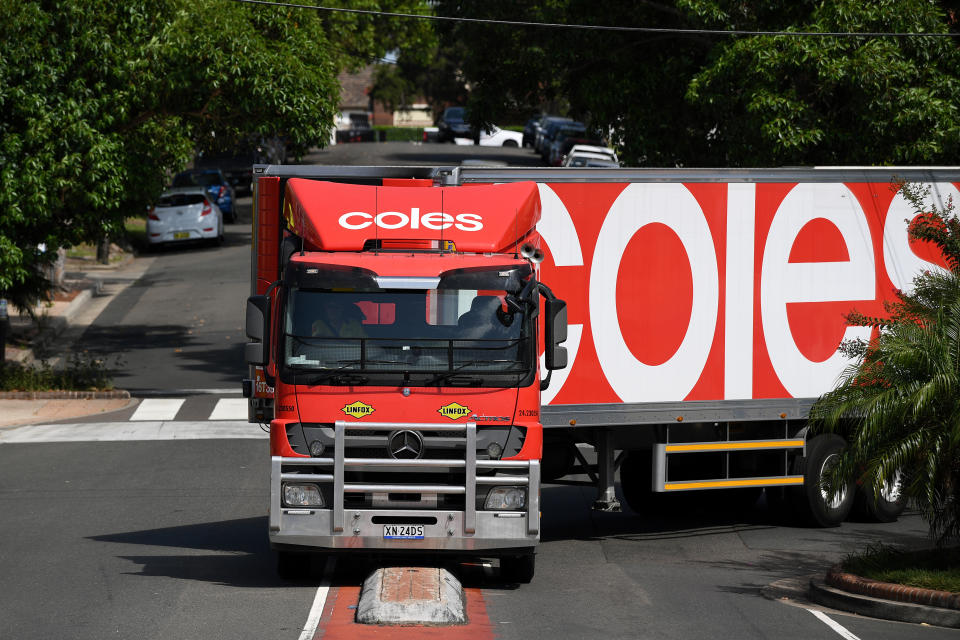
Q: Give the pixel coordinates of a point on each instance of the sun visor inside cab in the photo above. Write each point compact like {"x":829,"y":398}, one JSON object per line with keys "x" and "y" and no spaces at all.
{"x":329,"y":276}
{"x":506,"y":278}
{"x":332,"y":216}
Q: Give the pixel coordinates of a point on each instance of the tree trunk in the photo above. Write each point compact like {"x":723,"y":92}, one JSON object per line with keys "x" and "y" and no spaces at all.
{"x":103,"y":251}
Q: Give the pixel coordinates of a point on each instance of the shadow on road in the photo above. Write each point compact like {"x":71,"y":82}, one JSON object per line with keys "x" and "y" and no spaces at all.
{"x":243,"y":558}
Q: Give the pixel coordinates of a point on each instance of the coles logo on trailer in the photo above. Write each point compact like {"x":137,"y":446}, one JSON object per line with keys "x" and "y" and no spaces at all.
{"x":710,"y":291}
{"x":434,"y":220}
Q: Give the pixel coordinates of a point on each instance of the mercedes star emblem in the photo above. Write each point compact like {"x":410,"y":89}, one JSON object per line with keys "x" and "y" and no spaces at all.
{"x":405,"y":445}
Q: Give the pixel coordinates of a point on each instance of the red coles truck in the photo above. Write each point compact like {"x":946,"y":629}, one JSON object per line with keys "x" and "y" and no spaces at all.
{"x":397,"y":332}
{"x":706,"y":308}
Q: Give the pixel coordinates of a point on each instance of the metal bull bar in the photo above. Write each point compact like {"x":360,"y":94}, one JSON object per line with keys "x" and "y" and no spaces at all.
{"x":470,"y":464}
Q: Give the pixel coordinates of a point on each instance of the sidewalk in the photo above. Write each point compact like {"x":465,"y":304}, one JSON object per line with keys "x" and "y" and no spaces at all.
{"x":88,"y":289}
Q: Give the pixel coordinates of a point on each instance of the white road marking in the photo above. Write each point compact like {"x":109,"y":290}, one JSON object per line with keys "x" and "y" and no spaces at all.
{"x":230,"y":409}
{"x":313,"y":618}
{"x":157,"y":409}
{"x":840,"y":629}
{"x":132,"y":431}
{"x":187,"y":392}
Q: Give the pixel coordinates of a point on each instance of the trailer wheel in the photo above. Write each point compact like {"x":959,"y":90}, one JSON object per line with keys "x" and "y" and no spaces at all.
{"x":885,"y":507}
{"x":811,"y":501}
{"x":293,"y":566}
{"x":636,"y":474}
{"x":518,"y":568}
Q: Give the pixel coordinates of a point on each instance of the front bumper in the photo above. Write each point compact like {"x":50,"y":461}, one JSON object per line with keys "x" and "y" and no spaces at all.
{"x":341,"y":527}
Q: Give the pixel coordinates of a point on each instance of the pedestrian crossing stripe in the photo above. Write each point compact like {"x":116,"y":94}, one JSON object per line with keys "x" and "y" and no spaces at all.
{"x":166,"y":409}
{"x":229,"y":409}
{"x":157,"y":409}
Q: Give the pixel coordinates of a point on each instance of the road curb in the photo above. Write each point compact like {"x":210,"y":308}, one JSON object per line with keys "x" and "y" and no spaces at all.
{"x":876,"y":607}
{"x":901,"y":593}
{"x":412,"y":596}
{"x":64,"y":395}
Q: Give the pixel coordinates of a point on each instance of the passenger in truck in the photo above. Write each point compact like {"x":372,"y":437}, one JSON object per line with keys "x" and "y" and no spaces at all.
{"x":339,"y":320}
{"x":481,"y":320}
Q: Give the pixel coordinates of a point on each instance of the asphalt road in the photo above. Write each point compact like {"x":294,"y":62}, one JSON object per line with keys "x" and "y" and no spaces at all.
{"x":180,"y":326}
{"x":168,"y":539}
{"x":140,"y":540}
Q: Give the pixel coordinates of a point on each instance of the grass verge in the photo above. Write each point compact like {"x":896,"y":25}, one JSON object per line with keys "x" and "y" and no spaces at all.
{"x":81,"y":373}
{"x":134,"y":237}
{"x":937,"y":569}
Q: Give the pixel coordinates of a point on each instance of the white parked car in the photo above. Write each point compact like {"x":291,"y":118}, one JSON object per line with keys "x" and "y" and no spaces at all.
{"x":183,"y":214}
{"x":585,"y":155}
{"x":495,"y":137}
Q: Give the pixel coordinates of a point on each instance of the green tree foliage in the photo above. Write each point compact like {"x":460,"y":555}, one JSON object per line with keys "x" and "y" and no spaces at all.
{"x":708,"y":100}
{"x":897,"y":405}
{"x":100,"y":101}
{"x":431,"y":74}
{"x":832,"y":100}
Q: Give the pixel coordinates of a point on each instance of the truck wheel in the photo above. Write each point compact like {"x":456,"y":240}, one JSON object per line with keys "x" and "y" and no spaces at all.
{"x":636,"y":472}
{"x":518,"y":568}
{"x":886,"y":507}
{"x":292,"y":565}
{"x":811,"y":501}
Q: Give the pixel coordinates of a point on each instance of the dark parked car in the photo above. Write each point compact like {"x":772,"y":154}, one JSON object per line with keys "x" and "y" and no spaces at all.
{"x":555,"y":134}
{"x":355,"y":127}
{"x":547,"y":126}
{"x":236,"y":163}
{"x":453,"y":124}
{"x":213,"y":180}
{"x":564,"y":142}
{"x":530,"y":131}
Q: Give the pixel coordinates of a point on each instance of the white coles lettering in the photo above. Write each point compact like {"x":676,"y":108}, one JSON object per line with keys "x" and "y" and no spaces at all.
{"x":738,"y":315}
{"x":399,"y":220}
{"x":356,"y":220}
{"x":558,"y":232}
{"x":638,"y":205}
{"x":345,"y":220}
{"x":782,"y":282}
{"x":901,"y":263}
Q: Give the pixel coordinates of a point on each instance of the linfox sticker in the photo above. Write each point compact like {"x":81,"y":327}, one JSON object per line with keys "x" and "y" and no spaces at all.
{"x":434,"y":220}
{"x":454,"y":411}
{"x":357,"y":409}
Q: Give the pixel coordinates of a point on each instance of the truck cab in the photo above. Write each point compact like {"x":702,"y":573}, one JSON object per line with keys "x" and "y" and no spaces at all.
{"x":396,"y":339}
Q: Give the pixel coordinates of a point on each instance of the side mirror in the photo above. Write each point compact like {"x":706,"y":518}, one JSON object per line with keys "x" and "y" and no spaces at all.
{"x":555,"y":333}
{"x":258,"y":329}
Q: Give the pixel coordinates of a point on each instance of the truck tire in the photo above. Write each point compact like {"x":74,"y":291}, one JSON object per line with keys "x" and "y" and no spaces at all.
{"x":518,"y":568}
{"x":810,"y":501}
{"x":886,"y":507}
{"x":636,"y":472}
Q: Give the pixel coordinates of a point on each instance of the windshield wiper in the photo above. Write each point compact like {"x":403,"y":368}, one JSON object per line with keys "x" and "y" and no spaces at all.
{"x":346,"y":378}
{"x":453,"y":379}
{"x":340,"y":378}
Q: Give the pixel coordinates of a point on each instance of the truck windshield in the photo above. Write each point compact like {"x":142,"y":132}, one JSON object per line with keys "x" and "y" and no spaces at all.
{"x":416,"y":337}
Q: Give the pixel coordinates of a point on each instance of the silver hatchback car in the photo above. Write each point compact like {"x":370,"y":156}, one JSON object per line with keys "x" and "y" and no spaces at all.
{"x":184,"y":214}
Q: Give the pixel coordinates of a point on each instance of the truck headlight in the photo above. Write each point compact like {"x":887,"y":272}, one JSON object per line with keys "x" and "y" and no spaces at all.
{"x":506,"y":499}
{"x":301,"y":495}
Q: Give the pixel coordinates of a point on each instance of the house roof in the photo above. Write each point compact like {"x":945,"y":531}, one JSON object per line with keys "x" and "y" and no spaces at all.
{"x":355,"y":88}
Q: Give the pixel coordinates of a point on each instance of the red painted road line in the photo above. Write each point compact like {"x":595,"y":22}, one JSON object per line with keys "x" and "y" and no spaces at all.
{"x":337,"y":621}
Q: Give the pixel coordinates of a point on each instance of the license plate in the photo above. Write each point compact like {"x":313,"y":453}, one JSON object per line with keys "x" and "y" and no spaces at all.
{"x":181,"y":235}
{"x":403,"y":532}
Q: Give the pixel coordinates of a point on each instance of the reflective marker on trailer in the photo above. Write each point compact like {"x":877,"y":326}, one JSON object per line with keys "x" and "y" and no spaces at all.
{"x":725,"y":446}
{"x":732,"y":484}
